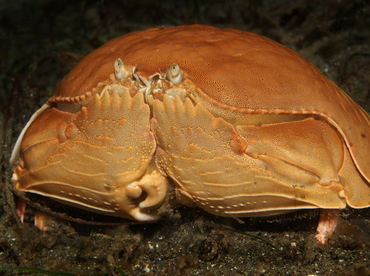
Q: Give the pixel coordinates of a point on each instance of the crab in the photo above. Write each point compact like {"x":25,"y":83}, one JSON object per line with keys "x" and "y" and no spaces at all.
{"x":241,"y":125}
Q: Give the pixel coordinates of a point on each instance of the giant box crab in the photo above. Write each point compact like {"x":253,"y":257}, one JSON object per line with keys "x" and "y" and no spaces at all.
{"x":242,"y":126}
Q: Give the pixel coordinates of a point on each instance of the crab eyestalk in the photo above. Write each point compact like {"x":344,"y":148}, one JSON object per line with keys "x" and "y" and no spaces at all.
{"x":120,"y":70}
{"x":174,"y":74}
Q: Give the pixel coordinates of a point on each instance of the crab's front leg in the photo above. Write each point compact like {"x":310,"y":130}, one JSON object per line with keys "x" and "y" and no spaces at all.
{"x":239,"y":171}
{"x":99,"y":159}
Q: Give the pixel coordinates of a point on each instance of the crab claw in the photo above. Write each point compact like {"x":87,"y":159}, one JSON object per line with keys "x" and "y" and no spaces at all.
{"x":155,"y":187}
{"x":152,"y":188}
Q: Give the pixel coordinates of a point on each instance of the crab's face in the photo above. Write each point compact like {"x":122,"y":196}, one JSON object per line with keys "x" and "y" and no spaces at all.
{"x":243,"y":126}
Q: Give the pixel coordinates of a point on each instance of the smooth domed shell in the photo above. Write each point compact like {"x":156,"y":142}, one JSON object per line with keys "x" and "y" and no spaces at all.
{"x":235,"y":70}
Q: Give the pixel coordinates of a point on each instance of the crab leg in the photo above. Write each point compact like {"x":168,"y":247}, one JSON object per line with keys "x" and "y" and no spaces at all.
{"x":327,"y":224}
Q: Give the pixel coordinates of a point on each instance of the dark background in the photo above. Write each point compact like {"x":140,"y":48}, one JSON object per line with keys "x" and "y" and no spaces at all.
{"x":40,"y":41}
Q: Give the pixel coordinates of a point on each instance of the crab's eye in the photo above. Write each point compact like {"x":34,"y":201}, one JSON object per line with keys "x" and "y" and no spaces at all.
{"x":120,"y":70}
{"x":174,"y":74}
